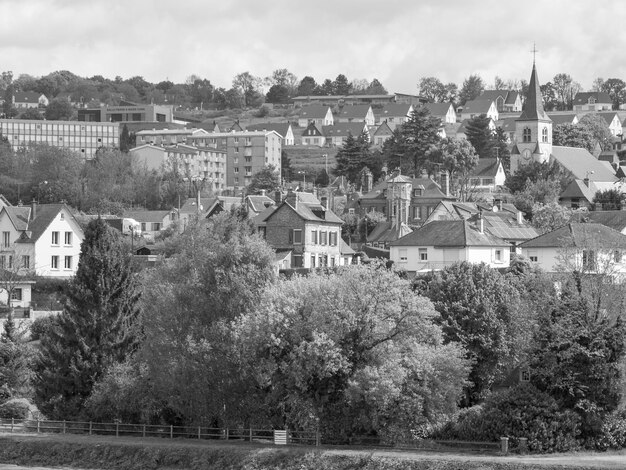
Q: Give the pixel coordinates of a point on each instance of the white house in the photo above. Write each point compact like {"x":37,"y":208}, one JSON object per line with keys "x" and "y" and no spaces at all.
{"x":444,"y":111}
{"x":47,"y":240}
{"x":586,"y":247}
{"x":395,"y":114}
{"x":478,"y":107}
{"x":440,"y":244}
{"x":357,"y":113}
{"x":320,"y":115}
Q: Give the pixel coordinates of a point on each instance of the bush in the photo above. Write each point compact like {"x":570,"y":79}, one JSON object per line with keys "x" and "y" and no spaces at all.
{"x":613,"y":434}
{"x":262,"y":112}
{"x":522,"y":411}
{"x":40,"y":325}
{"x":18,"y":408}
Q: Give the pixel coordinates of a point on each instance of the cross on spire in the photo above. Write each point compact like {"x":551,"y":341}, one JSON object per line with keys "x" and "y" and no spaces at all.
{"x":534,"y":51}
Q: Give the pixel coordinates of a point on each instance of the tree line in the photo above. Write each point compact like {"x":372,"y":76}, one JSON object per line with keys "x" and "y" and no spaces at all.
{"x":213,"y":337}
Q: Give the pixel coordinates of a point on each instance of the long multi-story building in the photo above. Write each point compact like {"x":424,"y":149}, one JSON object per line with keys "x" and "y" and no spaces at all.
{"x":82,"y":137}
{"x":128,"y":113}
{"x":246,"y":153}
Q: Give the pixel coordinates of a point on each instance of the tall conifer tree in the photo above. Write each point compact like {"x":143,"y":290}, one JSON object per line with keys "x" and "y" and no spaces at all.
{"x":96,"y":329}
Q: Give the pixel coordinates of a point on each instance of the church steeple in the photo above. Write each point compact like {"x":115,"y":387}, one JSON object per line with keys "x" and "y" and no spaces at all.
{"x":533,"y":108}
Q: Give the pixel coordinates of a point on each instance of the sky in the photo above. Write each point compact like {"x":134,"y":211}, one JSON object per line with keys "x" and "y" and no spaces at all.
{"x":395,"y":41}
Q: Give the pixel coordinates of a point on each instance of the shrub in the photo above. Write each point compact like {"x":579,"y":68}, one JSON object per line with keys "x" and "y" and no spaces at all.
{"x":40,"y":325}
{"x":613,"y":434}
{"x":262,"y":112}
{"x":18,"y":408}
{"x":522,"y":411}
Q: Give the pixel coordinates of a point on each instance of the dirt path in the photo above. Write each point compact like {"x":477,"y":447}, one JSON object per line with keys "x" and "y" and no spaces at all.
{"x":608,"y":460}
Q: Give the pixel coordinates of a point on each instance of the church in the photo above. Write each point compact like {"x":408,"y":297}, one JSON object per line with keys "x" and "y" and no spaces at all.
{"x":533,"y":142}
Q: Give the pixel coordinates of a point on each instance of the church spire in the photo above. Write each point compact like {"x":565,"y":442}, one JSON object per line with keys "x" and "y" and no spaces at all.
{"x":533,"y":108}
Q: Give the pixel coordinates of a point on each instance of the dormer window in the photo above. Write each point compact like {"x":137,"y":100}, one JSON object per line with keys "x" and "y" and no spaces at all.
{"x":526,"y":134}
{"x":591,"y":100}
{"x":418,"y":192}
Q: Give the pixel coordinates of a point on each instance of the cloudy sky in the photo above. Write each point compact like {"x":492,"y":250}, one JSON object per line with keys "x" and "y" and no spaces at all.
{"x":396,"y":41}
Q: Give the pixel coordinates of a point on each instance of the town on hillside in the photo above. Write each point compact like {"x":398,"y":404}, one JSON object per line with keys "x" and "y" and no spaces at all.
{"x":329,"y":258}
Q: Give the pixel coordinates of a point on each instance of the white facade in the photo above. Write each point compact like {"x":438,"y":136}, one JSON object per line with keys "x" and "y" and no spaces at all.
{"x":556,"y":259}
{"x":56,"y":252}
{"x":427,"y":258}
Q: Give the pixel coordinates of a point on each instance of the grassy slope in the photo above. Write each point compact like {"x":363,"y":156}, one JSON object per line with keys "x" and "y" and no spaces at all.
{"x":138,"y":454}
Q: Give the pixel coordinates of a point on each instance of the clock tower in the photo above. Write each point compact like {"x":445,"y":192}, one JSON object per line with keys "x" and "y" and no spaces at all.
{"x":533,"y":129}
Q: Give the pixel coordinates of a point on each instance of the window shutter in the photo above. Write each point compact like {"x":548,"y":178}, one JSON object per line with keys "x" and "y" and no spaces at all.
{"x":290,"y":236}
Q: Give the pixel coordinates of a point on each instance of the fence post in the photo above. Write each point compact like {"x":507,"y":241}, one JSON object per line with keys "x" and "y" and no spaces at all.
{"x":117,"y":429}
{"x":226,"y":433}
{"x":64,"y":426}
{"x":37,"y":426}
{"x":90,"y":427}
{"x":171,"y":431}
{"x":504,"y":445}
{"x":250,"y":433}
{"x":12,"y":423}
{"x":143,"y":431}
{"x":199,"y":432}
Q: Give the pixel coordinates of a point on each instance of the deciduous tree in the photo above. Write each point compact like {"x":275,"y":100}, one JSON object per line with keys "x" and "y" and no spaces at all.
{"x":266,"y":179}
{"x":473,"y":86}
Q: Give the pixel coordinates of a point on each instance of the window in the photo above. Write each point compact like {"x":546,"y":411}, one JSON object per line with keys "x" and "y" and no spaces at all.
{"x":403,"y":256}
{"x":26,"y":262}
{"x":3,"y":261}
{"x":526,"y":135}
{"x":333,"y":238}
{"x":351,"y":211}
{"x":498,"y":256}
{"x":296,"y":236}
{"x":297,"y":261}
{"x":68,"y":238}
{"x":16,"y":294}
{"x":417,"y":192}
{"x":6,"y":239}
{"x":323,"y":238}
{"x":54,"y":262}
{"x":423,"y":254}
{"x":314,"y":240}
{"x":156,"y":226}
{"x":10,"y":266}
{"x":544,"y":134}
{"x":55,"y":238}
{"x":617,"y":256}
{"x":524,"y":375}
{"x":68,"y":262}
{"x":313,"y":257}
{"x":143,"y":226}
{"x":589,"y":260}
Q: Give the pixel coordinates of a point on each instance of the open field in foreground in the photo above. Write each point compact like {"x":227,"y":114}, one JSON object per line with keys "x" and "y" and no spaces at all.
{"x":98,"y":452}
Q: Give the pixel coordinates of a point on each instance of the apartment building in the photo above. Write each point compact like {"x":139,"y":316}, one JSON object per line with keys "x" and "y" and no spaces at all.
{"x":82,"y":137}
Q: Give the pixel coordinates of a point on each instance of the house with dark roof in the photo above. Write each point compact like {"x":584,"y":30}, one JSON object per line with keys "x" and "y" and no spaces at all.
{"x":357,"y":113}
{"x":394,"y":114}
{"x":312,"y":135}
{"x":585,"y":247}
{"x":477,"y":107}
{"x":304,"y":227}
{"x":283,"y":129}
{"x":487,"y":176}
{"x":336,"y":135}
{"x":578,"y":194}
{"x":613,"y":121}
{"x":586,"y":101}
{"x":508,"y":127}
{"x":153,"y":222}
{"x":381,"y":134}
{"x":440,"y":244}
{"x":563,"y":118}
{"x":29,"y":99}
{"x":615,"y":219}
{"x":317,"y":114}
{"x":443,"y":111}
{"x":41,"y":239}
{"x":507,"y":101}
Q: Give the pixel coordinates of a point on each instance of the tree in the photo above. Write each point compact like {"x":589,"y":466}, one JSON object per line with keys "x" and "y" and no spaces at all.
{"x":473,"y":86}
{"x":266,"y":179}
{"x":353,"y":352}
{"x":599,"y":129}
{"x":577,"y":359}
{"x":536,"y":171}
{"x":278,"y":94}
{"x":501,"y":148}
{"x":408,"y":146}
{"x":572,"y":135}
{"x":307,"y":86}
{"x":352,"y":157}
{"x":565,"y":89}
{"x":537,"y":193}
{"x":480,"y":135}
{"x":609,"y":200}
{"x":15,"y":359}
{"x":616,"y":88}
{"x":548,"y":93}
{"x":341,"y":85}
{"x":247,"y":85}
{"x":97,"y":328}
{"x":218,"y":271}
{"x":550,"y":216}
{"x":59,"y":110}
{"x":458,"y":158}
{"x":55,"y":174}
{"x":432,"y":89}
{"x":375,"y":88}
{"x":285,"y":166}
{"x":31,"y":113}
{"x":478,"y":307}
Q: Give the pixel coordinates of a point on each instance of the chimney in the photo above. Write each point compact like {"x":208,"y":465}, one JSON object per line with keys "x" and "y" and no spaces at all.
{"x":500,"y":204}
{"x":445,"y":183}
{"x":586,"y":181}
{"x":520,"y":216}
{"x":33,"y":210}
{"x":292,"y":199}
{"x":369,"y":181}
{"x":481,"y":222}
{"x":278,"y":196}
{"x":263,"y":192}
